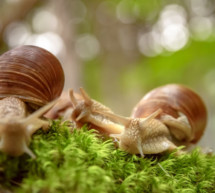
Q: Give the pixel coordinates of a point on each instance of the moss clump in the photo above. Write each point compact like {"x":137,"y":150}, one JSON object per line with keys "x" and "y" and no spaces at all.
{"x":80,"y":161}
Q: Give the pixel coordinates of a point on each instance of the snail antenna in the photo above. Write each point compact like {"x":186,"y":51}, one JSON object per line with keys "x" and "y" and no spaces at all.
{"x":150,"y":117}
{"x":29,"y":152}
{"x":153,"y":115}
{"x":116,"y":118}
{"x":83,"y":114}
{"x":140,"y":148}
{"x":72,"y":97}
{"x":85,"y":96}
{"x":40,"y":111}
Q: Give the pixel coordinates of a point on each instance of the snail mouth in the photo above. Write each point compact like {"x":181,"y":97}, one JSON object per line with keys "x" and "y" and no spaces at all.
{"x":134,"y":147}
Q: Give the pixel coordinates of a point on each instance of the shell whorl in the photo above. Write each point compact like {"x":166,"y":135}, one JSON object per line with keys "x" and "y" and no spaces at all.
{"x":32,"y":74}
{"x":172,"y":99}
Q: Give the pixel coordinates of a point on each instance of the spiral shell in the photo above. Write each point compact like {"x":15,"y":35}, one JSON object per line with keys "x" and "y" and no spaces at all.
{"x":174,"y":99}
{"x":32,"y":74}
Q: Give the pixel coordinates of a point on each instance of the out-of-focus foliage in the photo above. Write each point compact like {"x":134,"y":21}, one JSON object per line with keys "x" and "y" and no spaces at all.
{"x":120,"y":49}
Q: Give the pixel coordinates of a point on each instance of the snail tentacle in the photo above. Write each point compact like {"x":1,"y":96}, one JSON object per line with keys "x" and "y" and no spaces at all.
{"x":27,"y":150}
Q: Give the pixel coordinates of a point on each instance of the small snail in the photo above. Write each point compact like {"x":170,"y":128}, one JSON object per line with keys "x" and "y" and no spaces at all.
{"x":164,"y":118}
{"x":30,"y":78}
{"x":81,"y":109}
{"x":91,"y":111}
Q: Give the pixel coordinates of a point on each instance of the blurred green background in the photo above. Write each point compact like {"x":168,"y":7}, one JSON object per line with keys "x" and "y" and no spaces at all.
{"x":120,"y":49}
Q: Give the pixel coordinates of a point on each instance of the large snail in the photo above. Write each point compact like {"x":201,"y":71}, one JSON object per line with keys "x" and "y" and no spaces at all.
{"x":30,"y":78}
{"x":166,"y":117}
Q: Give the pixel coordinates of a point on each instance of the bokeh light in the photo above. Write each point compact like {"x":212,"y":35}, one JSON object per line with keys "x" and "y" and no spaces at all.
{"x":201,"y":27}
{"x":202,"y":7}
{"x":49,"y":40}
{"x":123,"y":12}
{"x":87,"y":46}
{"x":44,"y":21}
{"x":169,"y":33}
{"x":16,"y":34}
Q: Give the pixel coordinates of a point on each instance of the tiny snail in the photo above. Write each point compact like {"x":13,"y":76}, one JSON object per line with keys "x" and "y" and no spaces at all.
{"x":30,"y":78}
{"x":166,"y":117}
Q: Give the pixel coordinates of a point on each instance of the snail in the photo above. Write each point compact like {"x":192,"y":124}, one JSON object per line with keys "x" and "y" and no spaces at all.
{"x":166,"y":117}
{"x":91,"y":111}
{"x":81,"y":109}
{"x":31,"y":80}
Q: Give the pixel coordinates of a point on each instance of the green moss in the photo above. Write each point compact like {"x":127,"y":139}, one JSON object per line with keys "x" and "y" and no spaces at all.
{"x":82,"y":161}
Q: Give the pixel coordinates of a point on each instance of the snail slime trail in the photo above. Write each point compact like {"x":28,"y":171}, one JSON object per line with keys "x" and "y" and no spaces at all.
{"x":31,"y":80}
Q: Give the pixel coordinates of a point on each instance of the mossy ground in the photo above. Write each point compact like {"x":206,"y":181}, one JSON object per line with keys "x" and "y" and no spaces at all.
{"x":81,"y":161}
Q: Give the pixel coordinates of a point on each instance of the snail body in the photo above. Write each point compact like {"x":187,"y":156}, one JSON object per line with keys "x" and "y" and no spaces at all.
{"x":91,"y":111}
{"x":31,"y":79}
{"x":183,"y":111}
{"x":164,"y":118}
{"x":81,"y":109}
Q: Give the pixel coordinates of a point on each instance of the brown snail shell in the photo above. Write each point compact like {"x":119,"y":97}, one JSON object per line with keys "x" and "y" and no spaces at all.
{"x":174,"y":99}
{"x":30,"y":77}
{"x":32,"y":74}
